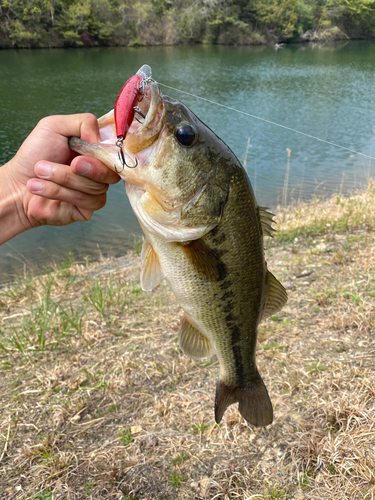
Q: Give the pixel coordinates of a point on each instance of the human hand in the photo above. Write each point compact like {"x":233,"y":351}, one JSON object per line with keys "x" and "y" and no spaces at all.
{"x":48,"y":182}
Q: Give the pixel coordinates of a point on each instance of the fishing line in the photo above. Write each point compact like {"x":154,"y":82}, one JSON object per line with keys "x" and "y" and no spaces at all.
{"x":270,"y":122}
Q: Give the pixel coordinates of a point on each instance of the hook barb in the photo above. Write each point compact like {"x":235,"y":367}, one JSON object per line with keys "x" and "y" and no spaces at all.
{"x":121,"y":156}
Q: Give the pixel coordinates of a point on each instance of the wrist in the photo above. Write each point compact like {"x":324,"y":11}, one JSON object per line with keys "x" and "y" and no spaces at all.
{"x":12,"y":217}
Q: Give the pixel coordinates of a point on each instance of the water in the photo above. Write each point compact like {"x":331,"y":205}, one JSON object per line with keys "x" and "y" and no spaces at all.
{"x":323,"y":91}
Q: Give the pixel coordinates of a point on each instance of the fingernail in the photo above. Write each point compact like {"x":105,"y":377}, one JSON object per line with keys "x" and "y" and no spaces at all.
{"x":43,"y":169}
{"x":83,"y":167}
{"x":35,"y":186}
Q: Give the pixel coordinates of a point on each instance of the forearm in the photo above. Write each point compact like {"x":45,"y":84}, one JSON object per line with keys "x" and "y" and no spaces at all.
{"x":12,"y":220}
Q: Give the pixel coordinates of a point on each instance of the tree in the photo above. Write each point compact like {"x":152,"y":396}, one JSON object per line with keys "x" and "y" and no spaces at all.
{"x":280,"y":16}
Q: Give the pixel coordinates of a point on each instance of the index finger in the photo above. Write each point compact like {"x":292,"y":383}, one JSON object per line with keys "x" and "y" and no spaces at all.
{"x":83,"y":125}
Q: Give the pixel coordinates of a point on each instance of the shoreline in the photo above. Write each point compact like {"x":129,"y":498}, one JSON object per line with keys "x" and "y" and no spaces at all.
{"x":276,"y":42}
{"x":284,"y":224}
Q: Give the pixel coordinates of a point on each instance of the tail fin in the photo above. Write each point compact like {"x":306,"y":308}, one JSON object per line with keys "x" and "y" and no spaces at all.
{"x":254,"y":402}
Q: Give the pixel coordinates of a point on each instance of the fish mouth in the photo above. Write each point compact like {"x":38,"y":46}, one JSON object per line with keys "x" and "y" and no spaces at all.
{"x":148,"y":120}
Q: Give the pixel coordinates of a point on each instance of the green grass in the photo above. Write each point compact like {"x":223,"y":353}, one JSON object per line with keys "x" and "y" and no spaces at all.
{"x":274,"y":491}
{"x":304,"y":482}
{"x":180,"y":458}
{"x":317,"y":367}
{"x":44,"y":495}
{"x":103,"y":297}
{"x":199,"y":428}
{"x":125,"y":436}
{"x":176,"y":479}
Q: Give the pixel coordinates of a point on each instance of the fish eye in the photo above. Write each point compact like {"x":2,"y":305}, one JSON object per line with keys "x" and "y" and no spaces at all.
{"x":185,"y":134}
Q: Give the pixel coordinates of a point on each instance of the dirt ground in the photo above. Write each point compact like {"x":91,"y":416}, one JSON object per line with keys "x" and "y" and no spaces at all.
{"x":98,"y":402}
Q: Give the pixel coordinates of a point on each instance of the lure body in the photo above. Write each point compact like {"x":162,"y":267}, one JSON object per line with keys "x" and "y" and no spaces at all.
{"x":125,"y":102}
{"x":125,"y":108}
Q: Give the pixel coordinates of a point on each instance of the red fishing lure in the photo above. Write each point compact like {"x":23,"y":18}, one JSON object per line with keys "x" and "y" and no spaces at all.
{"x":126,"y":106}
{"x":127,"y":99}
{"x":125,"y":102}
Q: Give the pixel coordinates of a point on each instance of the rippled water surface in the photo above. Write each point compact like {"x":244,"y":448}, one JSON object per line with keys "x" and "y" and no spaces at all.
{"x":326,"y":92}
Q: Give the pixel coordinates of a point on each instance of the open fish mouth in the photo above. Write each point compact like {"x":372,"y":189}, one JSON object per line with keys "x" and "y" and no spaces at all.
{"x":148,"y":120}
{"x":146,"y":125}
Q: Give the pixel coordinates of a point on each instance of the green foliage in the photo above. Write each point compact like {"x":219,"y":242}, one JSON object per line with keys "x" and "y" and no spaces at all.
{"x":274,"y":491}
{"x":31,"y":23}
{"x":351,"y":7}
{"x":199,"y":428}
{"x":44,"y":495}
{"x":73,"y":21}
{"x":305,"y":11}
{"x":125,"y":436}
{"x":280,"y":14}
{"x":176,"y":479}
{"x":180,"y":458}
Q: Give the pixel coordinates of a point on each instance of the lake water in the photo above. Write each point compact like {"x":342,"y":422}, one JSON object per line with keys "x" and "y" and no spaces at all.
{"x":325,"y":91}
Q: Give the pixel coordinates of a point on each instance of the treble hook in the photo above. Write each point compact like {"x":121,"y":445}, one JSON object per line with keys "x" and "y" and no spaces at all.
{"x":138,"y":110}
{"x":121,"y":156}
{"x":142,"y":87}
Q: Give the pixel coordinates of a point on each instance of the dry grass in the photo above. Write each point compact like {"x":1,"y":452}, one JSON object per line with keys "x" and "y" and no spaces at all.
{"x":98,"y":402}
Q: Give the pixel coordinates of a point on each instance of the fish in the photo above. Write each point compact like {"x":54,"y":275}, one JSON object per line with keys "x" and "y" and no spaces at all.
{"x":204,"y":234}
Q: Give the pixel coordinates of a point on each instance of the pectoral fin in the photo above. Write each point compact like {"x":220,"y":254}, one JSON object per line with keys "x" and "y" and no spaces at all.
{"x":192,"y":342}
{"x":277,"y":296}
{"x":151,"y":272}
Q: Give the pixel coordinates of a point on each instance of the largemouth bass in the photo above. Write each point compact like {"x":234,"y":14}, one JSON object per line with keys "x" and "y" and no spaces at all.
{"x":204,"y":234}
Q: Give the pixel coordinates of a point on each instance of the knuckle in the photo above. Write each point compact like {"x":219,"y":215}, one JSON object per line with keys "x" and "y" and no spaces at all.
{"x":91,"y":202}
{"x":82,"y":199}
{"x":102,"y":200}
{"x":64,"y":178}
{"x":88,"y":215}
{"x":52,"y":190}
{"x":102,"y":188}
{"x":97,"y":187}
{"x":89,"y":119}
{"x":44,"y":122}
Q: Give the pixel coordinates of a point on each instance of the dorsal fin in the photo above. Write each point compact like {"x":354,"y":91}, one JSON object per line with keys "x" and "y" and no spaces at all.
{"x":277,"y":296}
{"x":192,"y":342}
{"x":151,"y":271}
{"x":266,"y":220}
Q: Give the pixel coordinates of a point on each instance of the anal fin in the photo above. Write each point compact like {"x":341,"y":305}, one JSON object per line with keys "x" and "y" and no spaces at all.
{"x":254,"y":402}
{"x":151,"y":271}
{"x":192,"y":342}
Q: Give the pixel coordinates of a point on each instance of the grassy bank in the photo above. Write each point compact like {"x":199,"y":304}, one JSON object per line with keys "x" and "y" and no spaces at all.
{"x":98,"y":402}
